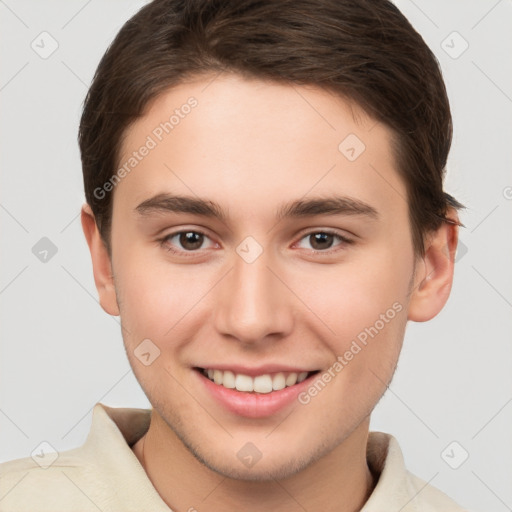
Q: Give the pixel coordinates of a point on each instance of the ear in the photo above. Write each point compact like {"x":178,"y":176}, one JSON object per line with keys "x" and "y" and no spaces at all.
{"x":434,"y":272}
{"x":102,"y":266}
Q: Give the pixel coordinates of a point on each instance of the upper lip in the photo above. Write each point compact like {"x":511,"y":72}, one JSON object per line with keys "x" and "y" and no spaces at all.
{"x":256,"y":370}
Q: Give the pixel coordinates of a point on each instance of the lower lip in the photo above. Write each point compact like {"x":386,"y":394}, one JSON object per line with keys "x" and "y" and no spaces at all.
{"x":254,"y":405}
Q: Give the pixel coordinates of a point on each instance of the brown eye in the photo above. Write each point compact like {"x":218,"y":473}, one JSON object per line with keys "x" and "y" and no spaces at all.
{"x":185,"y":241}
{"x":191,"y":240}
{"x":321,"y":241}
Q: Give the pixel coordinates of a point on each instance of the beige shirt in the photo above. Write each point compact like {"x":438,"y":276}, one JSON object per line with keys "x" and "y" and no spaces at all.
{"x":104,"y":474}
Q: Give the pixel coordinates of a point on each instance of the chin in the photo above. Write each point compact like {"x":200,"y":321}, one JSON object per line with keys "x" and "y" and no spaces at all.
{"x":261,"y":471}
{"x":274,"y":462}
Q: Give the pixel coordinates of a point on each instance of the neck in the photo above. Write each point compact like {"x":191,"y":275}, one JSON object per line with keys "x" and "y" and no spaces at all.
{"x":341,"y":481}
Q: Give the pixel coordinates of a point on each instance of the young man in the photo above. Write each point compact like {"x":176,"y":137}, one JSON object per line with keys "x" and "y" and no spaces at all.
{"x":265,"y":213}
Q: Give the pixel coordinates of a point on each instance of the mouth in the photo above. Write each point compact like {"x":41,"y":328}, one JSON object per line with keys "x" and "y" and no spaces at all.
{"x":259,"y":384}
{"x":254,"y":393}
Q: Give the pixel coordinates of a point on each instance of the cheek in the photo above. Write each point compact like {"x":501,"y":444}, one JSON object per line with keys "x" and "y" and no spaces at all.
{"x":157,"y":298}
{"x":364,"y":305}
{"x":352,"y":295}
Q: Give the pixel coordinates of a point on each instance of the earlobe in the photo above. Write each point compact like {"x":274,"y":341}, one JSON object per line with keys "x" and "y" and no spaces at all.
{"x":102,"y":266}
{"x":434,"y":277}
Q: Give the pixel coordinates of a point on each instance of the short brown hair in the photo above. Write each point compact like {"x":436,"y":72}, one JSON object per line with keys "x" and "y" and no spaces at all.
{"x":363,"y":50}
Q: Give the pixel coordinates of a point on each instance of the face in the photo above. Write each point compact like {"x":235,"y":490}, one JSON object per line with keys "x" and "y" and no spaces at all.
{"x":289,"y":252}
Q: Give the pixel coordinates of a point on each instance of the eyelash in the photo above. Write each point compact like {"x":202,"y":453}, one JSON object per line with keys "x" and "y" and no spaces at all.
{"x":165,"y":245}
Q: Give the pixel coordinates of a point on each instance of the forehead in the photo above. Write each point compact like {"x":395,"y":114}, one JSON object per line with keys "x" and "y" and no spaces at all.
{"x":246,"y":143}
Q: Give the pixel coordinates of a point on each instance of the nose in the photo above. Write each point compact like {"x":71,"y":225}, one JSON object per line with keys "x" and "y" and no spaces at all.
{"x":252,"y":304}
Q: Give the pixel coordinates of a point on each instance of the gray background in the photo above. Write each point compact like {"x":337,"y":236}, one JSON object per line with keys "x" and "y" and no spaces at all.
{"x":60,"y":353}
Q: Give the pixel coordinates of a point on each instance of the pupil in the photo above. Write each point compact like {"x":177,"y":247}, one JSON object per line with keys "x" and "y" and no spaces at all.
{"x":191,"y":240}
{"x":321,"y":237}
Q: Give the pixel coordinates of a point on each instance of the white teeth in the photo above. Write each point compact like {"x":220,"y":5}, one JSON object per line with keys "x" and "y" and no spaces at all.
{"x":278,"y":382}
{"x":244,"y":383}
{"x":302,"y":376}
{"x":291,"y":379}
{"x":261,"y":384}
{"x":217,"y":376}
{"x":228,"y":380}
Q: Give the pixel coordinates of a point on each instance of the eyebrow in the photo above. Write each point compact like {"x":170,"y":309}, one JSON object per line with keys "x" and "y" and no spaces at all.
{"x":334,"y":205}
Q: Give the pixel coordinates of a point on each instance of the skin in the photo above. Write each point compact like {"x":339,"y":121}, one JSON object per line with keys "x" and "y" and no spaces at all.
{"x":251,"y":146}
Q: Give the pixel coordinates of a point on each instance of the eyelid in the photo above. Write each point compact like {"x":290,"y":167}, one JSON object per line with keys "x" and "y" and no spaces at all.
{"x":164,"y":241}
{"x":344,"y":240}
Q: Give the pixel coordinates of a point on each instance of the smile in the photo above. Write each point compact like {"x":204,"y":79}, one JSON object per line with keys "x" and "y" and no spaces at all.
{"x":265,"y":383}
